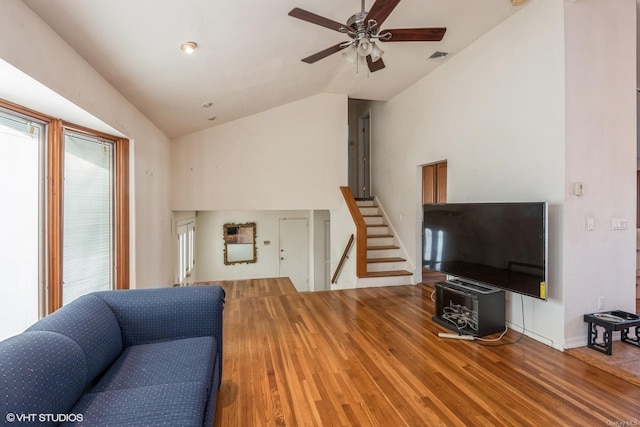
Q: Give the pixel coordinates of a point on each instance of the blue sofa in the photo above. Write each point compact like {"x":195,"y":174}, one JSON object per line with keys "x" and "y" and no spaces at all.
{"x":119,"y":358}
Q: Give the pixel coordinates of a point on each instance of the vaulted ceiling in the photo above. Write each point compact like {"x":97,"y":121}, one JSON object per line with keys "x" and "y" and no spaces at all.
{"x":249,"y":51}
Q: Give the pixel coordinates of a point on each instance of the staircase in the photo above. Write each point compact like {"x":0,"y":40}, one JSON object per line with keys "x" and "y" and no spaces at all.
{"x":385,"y":265}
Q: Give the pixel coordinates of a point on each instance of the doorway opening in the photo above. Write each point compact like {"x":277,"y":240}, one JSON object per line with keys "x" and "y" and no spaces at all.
{"x":360,"y":148}
{"x":434,"y":190}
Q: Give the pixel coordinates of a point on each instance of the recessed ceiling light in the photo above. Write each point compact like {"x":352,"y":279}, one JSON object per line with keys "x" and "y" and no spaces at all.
{"x":207,"y":104}
{"x":188,"y":47}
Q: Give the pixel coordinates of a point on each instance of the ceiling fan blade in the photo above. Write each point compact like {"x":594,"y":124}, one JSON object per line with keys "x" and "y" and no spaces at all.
{"x":323,"y":53}
{"x":381,"y":10}
{"x":415,"y":35}
{"x":315,"y":19}
{"x":375,"y":66}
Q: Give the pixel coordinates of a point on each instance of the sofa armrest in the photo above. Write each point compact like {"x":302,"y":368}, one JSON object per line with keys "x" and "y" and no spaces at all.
{"x":41,"y":372}
{"x":154,"y":315}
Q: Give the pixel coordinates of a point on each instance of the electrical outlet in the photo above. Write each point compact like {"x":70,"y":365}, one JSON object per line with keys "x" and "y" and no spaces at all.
{"x":601,"y":303}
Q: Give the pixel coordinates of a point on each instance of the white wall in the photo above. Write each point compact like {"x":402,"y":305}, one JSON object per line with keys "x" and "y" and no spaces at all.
{"x":544,"y":100}
{"x":210,"y":244}
{"x":600,"y":40}
{"x":291,"y":157}
{"x":40,"y":53}
{"x":495,"y":112}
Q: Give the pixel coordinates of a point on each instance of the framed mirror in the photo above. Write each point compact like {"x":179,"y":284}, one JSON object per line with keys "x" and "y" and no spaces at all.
{"x":240,"y":243}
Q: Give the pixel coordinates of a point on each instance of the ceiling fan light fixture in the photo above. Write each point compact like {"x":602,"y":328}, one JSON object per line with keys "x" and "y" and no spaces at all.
{"x":376,"y":53}
{"x":365,"y":47}
{"x":350,"y":54}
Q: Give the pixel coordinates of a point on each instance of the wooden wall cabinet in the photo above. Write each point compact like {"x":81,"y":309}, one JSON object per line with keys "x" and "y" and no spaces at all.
{"x":434,"y":183}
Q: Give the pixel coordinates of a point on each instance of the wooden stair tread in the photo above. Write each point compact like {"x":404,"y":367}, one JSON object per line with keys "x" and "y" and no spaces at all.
{"x":390,"y":273}
{"x":369,"y":236}
{"x":377,"y":225}
{"x":378,"y":260}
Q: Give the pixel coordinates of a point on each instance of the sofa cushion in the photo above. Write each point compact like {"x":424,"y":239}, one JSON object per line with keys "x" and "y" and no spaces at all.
{"x":40,"y":373}
{"x":92,"y":325}
{"x":179,"y":361}
{"x":177,"y":404}
{"x":152,"y":315}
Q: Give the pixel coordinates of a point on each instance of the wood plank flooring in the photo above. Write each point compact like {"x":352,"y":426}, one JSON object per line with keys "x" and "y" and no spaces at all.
{"x":624,"y":361}
{"x":371,"y":357}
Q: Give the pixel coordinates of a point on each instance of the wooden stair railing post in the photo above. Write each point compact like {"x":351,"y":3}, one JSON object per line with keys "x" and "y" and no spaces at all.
{"x":345,"y":255}
{"x":361,"y":232}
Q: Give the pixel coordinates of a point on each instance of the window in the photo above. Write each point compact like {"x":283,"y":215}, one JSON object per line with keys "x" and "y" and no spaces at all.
{"x":186,"y":231}
{"x":79,"y":159}
{"x":65,"y":226}
{"x":88,"y":215}
{"x":22,"y":173}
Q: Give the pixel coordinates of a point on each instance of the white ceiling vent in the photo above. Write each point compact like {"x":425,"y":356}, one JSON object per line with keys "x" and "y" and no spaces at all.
{"x":438,"y":56}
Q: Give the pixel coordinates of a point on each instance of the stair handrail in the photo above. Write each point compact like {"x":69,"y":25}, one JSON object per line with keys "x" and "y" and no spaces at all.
{"x":361,"y":232}
{"x":345,"y":255}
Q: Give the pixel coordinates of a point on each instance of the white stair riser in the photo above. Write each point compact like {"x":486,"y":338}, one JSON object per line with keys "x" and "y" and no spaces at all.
{"x":387,"y":266}
{"x":373,"y":220}
{"x":377,"y":230}
{"x":365,"y":203}
{"x":379,"y":241}
{"x":383,"y":253}
{"x":369,"y":210}
{"x":371,"y":282}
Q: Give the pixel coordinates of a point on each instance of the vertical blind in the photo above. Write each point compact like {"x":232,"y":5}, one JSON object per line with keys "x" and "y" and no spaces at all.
{"x":88,"y":216}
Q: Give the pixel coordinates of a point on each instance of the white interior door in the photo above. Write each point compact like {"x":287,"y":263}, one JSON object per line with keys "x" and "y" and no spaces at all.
{"x":294,"y":251}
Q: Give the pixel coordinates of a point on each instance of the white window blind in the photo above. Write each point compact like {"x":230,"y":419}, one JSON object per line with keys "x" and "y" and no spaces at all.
{"x":88,"y":216}
{"x":21,"y":229}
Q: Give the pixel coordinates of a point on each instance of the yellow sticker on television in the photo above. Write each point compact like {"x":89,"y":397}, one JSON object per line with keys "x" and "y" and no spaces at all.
{"x":543,"y":290}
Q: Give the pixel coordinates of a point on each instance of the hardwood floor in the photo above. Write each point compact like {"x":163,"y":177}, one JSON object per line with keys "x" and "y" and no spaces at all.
{"x":624,"y":361}
{"x":372,"y":357}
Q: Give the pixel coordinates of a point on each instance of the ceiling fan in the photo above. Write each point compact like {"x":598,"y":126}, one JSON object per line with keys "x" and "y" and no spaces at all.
{"x":364,"y":29}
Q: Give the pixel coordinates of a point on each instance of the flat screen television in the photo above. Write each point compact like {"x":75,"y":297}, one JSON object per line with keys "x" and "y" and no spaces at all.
{"x":503,"y":245}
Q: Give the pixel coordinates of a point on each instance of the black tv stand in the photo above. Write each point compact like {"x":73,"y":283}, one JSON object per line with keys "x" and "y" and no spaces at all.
{"x":469,"y":308}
